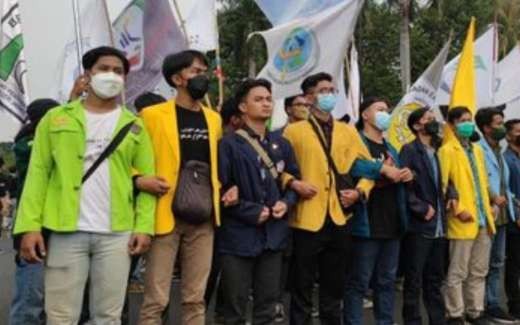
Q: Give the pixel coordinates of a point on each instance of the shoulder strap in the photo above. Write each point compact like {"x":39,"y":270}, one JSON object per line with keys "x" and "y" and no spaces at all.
{"x":324,"y":144}
{"x":112,"y":146}
{"x":260,"y":151}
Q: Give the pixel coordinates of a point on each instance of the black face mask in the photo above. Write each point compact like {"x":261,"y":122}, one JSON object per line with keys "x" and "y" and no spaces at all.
{"x":432,"y":128}
{"x":198,"y":86}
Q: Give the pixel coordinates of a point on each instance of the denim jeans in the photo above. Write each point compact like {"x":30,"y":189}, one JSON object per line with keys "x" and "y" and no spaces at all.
{"x":27,"y":305}
{"x":74,"y":257}
{"x":496,"y":264}
{"x":371,"y":257}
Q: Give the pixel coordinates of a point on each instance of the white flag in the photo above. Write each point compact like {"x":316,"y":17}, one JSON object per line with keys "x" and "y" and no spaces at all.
{"x":310,"y":45}
{"x":421,"y":94}
{"x":485,"y":65}
{"x":13,"y":71}
{"x":199,"y":18}
{"x":508,"y":83}
{"x":95,"y":31}
{"x":140,"y":31}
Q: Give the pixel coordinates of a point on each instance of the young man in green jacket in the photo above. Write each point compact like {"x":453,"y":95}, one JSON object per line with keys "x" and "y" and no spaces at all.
{"x":95,"y":225}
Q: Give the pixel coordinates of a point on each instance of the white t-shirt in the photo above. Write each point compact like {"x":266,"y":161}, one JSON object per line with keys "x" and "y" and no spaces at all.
{"x":95,"y":207}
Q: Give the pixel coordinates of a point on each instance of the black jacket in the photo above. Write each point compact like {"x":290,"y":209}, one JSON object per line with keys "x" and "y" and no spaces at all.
{"x":423,"y":191}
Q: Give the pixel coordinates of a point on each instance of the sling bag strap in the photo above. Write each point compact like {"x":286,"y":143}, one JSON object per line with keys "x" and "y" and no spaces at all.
{"x":260,"y":151}
{"x":326,"y":148}
{"x":112,"y":146}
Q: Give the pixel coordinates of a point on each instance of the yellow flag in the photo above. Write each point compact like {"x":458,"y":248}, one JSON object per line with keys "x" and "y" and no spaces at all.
{"x":464,"y":89}
{"x":463,"y":92}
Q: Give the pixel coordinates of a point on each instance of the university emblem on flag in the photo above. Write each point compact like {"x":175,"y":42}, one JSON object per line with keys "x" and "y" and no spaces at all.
{"x":297,"y":56}
{"x":129,"y":34}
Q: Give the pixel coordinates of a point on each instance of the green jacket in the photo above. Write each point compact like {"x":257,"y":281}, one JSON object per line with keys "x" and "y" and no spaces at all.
{"x":51,"y":196}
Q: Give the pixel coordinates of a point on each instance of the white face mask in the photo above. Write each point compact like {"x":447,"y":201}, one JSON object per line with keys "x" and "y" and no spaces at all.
{"x":107,"y":85}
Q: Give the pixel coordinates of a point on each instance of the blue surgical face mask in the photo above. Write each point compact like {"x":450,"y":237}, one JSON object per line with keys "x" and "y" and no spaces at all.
{"x":327,"y":102}
{"x":382,"y":120}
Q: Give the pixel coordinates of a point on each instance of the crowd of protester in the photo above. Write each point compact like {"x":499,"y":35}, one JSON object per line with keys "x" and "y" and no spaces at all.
{"x":247,"y":215}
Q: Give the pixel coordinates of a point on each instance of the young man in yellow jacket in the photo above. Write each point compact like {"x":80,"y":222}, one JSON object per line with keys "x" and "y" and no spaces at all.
{"x":470,"y":222}
{"x":319,"y":222}
{"x":184,"y":136}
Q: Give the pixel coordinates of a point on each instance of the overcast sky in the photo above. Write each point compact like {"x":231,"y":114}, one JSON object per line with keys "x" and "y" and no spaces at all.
{"x":47,"y":25}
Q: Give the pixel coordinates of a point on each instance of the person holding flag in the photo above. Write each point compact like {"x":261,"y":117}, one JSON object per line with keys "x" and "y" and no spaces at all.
{"x":471,"y":224}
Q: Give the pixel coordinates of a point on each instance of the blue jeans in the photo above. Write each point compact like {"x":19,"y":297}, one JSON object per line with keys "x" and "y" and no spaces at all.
{"x":496,"y":264}
{"x":27,"y":305}
{"x":380,"y":258}
{"x":74,"y":257}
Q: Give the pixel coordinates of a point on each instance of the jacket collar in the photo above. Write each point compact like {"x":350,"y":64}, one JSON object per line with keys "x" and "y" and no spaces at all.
{"x":424,"y":156}
{"x":77,"y":111}
{"x":490,"y":153}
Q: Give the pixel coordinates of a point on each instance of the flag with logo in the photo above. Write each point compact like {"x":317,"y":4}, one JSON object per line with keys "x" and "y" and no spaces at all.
{"x":199,"y":19}
{"x":279,"y":12}
{"x":421,"y":94}
{"x":309,"y":45}
{"x":146,"y":31}
{"x":485,"y":49}
{"x":507,"y":86}
{"x":94,"y":31}
{"x":13,"y":71}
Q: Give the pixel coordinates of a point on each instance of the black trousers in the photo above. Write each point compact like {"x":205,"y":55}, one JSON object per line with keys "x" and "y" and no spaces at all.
{"x":239,"y":276}
{"x":214,"y":283}
{"x":512,"y":274}
{"x":323,"y":252}
{"x":423,"y":270}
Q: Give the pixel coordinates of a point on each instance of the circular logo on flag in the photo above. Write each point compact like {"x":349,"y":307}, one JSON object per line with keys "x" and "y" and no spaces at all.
{"x":297,"y":56}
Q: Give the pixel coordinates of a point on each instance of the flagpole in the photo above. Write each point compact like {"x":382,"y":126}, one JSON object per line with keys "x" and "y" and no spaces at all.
{"x":79,"y":38}
{"x":350,"y":93}
{"x":183,"y":24}
{"x":220,"y":74}
{"x":109,"y":22}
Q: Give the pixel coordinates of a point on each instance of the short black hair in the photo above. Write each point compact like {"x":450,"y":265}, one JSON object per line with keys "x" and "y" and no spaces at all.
{"x":147,"y":99}
{"x":290,"y":100}
{"x":92,"y":56}
{"x":313,"y":80}
{"x":510,"y":124}
{"x":345,"y":119}
{"x":415,"y":117}
{"x":39,"y":107}
{"x":245,"y":87}
{"x":367,"y":102}
{"x":176,"y":62}
{"x":229,"y":110}
{"x":485,"y":116}
{"x":456,"y":112}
